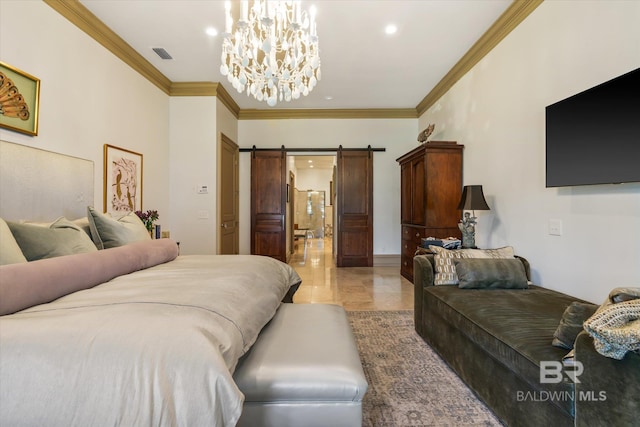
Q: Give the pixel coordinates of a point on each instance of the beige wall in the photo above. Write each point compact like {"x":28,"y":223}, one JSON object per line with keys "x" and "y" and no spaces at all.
{"x":88,"y":98}
{"x":497,"y":111}
{"x":194,"y":156}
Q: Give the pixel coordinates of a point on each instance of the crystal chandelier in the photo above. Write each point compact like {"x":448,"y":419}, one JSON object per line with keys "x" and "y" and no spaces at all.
{"x":272,"y":53}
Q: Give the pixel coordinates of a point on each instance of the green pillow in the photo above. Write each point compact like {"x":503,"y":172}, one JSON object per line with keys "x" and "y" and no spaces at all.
{"x":487,"y":273}
{"x":10,"y":252}
{"x":571,"y":323}
{"x":60,"y":238}
{"x":108,"y":232}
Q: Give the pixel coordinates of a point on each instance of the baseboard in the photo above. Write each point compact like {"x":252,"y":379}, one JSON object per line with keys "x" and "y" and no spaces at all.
{"x":386,"y":260}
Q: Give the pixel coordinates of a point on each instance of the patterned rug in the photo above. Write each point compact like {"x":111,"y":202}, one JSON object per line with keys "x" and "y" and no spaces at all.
{"x":409,"y":385}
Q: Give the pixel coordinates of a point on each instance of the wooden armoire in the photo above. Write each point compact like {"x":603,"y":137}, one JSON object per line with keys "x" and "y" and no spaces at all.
{"x":431,"y":186}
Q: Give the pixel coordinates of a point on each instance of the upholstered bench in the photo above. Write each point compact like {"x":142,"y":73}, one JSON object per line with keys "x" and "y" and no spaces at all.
{"x":304,"y":370}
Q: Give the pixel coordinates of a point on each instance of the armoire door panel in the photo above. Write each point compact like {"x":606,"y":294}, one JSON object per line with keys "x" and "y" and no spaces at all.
{"x":419,"y":194}
{"x":405,"y":188}
{"x":443,"y":173}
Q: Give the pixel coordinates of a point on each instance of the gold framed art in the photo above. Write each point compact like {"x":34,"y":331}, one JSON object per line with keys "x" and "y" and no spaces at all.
{"x":122,"y":180}
{"x":19,"y":100}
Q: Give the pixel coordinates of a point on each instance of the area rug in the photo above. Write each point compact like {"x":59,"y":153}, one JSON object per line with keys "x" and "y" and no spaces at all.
{"x":409,"y":384}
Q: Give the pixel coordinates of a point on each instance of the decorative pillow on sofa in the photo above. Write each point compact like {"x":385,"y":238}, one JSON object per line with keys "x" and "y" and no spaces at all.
{"x":62,"y":237}
{"x":443,"y":259}
{"x":10,"y":252}
{"x":108,"y":232}
{"x":571,"y":323}
{"x":479,"y":273}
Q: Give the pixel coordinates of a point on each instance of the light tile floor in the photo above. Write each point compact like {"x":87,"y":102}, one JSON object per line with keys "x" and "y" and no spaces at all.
{"x":354,"y":288}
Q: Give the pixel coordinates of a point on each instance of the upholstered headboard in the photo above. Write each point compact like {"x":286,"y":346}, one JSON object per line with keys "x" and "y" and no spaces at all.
{"x":40,"y":185}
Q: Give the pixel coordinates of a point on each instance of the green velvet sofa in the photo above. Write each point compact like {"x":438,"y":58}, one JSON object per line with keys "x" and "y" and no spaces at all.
{"x":496,"y":339}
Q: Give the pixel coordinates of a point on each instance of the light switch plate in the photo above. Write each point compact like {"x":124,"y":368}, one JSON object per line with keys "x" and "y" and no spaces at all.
{"x":555,"y":227}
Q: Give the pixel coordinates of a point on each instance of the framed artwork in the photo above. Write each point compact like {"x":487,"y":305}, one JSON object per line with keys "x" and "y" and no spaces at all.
{"x":19,"y":98}
{"x":122,"y":180}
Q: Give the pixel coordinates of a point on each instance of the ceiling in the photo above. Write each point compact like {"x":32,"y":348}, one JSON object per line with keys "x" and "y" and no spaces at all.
{"x":362,"y":67}
{"x":314,"y":162}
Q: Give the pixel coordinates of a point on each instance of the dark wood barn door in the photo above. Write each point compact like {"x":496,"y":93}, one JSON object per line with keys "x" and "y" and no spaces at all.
{"x":268,"y":204}
{"x":354,"y":189}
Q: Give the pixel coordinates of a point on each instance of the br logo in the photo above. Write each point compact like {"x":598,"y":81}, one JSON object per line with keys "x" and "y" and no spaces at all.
{"x":553,"y":372}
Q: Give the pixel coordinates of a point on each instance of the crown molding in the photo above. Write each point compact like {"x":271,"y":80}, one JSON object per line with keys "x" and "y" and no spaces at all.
{"x":312,"y":113}
{"x":228,"y":101}
{"x":82,"y":18}
{"x":205,"y":89}
{"x":193,"y":89}
{"x":510,"y":19}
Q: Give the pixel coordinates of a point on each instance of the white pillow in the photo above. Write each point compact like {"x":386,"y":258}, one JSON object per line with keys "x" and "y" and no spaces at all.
{"x":108,"y":232}
{"x":10,"y":252}
{"x":446,"y":269}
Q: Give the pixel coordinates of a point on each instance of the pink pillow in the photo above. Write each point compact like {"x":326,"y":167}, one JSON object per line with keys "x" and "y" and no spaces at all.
{"x":37,"y":282}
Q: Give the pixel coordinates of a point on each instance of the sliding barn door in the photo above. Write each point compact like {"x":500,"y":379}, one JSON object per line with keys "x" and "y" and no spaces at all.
{"x":268,"y":204}
{"x":354,"y":188}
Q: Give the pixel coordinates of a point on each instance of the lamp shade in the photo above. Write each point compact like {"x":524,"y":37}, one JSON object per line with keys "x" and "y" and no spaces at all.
{"x":473,"y":199}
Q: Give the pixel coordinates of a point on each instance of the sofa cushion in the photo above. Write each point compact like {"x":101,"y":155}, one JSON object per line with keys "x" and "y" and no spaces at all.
{"x":571,"y":324}
{"x":490,"y":273}
{"x":514,"y":327}
{"x":445,"y":268}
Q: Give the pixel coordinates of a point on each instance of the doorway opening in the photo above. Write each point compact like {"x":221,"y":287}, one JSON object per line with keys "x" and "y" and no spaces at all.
{"x":311,"y":199}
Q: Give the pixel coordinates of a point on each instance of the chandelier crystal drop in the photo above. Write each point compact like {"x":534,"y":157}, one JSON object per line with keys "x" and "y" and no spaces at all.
{"x":272,"y":53}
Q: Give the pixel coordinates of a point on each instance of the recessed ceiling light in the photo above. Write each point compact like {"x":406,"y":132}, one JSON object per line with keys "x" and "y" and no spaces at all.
{"x":391,"y":29}
{"x":328,"y":97}
{"x":211,"y":31}
{"x":310,"y":161}
{"x":310,"y":166}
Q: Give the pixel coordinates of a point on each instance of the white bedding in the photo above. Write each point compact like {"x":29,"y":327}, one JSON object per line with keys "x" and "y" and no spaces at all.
{"x":152,"y":348}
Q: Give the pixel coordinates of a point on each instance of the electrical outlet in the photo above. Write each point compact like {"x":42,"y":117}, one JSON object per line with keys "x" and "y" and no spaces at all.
{"x":555,"y":227}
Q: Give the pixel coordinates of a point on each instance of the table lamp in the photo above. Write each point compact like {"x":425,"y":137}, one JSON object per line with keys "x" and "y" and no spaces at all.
{"x":472,"y":199}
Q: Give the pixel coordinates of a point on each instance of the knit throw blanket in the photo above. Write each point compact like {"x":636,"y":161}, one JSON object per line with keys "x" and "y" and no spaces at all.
{"x":615,"y":326}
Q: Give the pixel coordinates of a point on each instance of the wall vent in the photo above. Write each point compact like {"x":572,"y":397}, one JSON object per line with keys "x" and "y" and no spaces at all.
{"x":162,"y":53}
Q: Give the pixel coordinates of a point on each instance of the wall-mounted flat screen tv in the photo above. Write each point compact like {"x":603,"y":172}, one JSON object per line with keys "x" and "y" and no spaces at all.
{"x":593,"y":137}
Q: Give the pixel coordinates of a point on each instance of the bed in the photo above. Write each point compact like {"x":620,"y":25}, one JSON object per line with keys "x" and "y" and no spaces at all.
{"x":134,"y":334}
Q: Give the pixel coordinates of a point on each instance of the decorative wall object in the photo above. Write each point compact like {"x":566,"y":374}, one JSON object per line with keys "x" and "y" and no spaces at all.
{"x":122,"y":180}
{"x":424,"y":135}
{"x":19,"y":97}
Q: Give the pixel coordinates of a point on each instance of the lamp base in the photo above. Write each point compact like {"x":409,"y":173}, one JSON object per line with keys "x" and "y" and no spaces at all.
{"x":468,"y":240}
